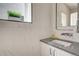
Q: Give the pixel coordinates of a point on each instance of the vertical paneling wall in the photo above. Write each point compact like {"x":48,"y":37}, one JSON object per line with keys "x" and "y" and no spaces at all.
{"x":24,"y":38}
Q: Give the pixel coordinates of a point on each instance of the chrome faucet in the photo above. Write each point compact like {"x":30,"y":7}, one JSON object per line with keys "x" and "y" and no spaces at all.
{"x":67,"y":34}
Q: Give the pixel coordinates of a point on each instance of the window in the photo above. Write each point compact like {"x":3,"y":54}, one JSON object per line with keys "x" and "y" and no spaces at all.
{"x":21,"y":10}
{"x":27,"y":12}
{"x":63,"y":19}
{"x":73,"y":19}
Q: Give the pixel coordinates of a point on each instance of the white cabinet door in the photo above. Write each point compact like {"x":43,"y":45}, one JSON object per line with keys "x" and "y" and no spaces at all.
{"x":52,"y":50}
{"x":45,"y":50}
{"x":59,"y":52}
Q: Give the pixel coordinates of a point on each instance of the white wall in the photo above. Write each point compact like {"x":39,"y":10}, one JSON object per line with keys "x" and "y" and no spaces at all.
{"x":24,"y":38}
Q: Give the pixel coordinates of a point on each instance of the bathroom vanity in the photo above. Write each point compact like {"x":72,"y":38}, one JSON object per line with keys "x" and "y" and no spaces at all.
{"x":59,"y":47}
{"x":67,"y":23}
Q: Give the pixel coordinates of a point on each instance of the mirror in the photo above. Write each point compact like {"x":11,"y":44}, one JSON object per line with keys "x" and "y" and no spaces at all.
{"x":17,"y":12}
{"x":66,"y":15}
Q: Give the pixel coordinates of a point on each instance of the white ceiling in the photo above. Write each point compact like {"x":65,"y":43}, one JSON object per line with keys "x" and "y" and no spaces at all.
{"x":71,"y":5}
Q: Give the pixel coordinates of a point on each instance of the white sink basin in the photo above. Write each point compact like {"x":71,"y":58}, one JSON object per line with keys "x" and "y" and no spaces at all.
{"x":65,"y":44}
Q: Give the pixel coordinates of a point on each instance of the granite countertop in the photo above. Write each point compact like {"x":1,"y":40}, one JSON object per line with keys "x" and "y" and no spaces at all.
{"x":73,"y":49}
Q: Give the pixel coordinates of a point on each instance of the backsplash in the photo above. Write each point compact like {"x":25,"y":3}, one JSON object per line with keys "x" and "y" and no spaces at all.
{"x":72,"y":38}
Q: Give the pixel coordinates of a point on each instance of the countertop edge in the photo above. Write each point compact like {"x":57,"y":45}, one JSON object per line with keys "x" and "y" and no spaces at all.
{"x":43,"y":40}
